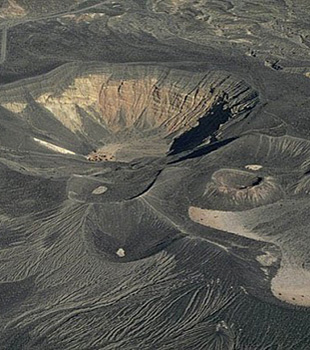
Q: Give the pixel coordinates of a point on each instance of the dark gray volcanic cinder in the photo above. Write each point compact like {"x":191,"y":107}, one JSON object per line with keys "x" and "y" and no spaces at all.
{"x":155,"y":175}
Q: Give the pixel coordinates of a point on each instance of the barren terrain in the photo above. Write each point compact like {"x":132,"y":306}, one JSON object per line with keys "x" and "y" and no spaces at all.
{"x":155,"y":175}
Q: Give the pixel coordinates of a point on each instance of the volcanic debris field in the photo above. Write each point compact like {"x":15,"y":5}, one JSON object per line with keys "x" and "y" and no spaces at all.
{"x":155,"y":175}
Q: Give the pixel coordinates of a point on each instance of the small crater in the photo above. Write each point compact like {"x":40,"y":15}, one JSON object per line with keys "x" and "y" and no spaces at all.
{"x":236,"y":179}
{"x":243,"y":187}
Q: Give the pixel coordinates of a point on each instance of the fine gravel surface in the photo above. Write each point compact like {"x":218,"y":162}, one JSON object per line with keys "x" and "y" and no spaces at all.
{"x":155,"y":175}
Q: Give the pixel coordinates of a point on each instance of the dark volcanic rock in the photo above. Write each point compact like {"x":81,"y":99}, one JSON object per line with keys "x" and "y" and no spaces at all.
{"x":154,"y":165}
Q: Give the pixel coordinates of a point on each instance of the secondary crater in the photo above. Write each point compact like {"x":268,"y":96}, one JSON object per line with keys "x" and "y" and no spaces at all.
{"x":234,"y":187}
{"x":236,"y":179}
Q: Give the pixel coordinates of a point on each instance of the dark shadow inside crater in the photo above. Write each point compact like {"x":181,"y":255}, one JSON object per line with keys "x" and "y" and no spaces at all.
{"x":204,"y":150}
{"x":235,"y":178}
{"x":207,"y":127}
{"x":136,"y":248}
{"x":253,"y":183}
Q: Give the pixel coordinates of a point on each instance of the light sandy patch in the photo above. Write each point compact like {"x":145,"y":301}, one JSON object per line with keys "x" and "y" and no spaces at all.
{"x":266,"y":259}
{"x":221,"y":220}
{"x":82,"y":93}
{"x":106,"y":153}
{"x":148,"y":147}
{"x":15,"y":107}
{"x":292,"y":282}
{"x":11,"y":9}
{"x":292,"y":285}
{"x":121,"y":252}
{"x":111,"y":149}
{"x":128,"y":151}
{"x":53,"y":147}
{"x":99,"y":190}
{"x":253,"y":167}
{"x":86,"y":17}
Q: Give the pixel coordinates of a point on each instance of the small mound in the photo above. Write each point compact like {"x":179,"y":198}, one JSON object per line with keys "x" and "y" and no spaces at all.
{"x":253,"y":167}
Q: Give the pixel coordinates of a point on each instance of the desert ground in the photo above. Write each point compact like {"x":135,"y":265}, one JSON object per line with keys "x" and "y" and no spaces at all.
{"x":155,"y":175}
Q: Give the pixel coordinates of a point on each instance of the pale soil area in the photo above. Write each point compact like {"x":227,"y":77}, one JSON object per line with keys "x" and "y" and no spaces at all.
{"x":129,"y":151}
{"x":291,"y":284}
{"x":221,"y":220}
{"x":53,"y":147}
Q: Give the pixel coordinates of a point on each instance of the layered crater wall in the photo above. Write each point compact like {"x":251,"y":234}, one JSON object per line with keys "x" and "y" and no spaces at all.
{"x":125,"y":107}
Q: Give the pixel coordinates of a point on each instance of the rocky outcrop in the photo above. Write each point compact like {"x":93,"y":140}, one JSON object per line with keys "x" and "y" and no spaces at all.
{"x":82,"y":93}
{"x":122,"y":104}
{"x":11,"y":9}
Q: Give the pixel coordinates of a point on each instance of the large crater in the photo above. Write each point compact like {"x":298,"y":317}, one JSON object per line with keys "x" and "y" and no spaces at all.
{"x":124,"y":112}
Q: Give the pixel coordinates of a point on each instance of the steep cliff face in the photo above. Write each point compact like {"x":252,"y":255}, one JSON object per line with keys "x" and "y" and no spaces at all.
{"x":146,"y":103}
{"x":83,"y":93}
{"x":134,"y":103}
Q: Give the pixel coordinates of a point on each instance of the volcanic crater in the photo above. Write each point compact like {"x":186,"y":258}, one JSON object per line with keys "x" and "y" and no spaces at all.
{"x":119,"y":113}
